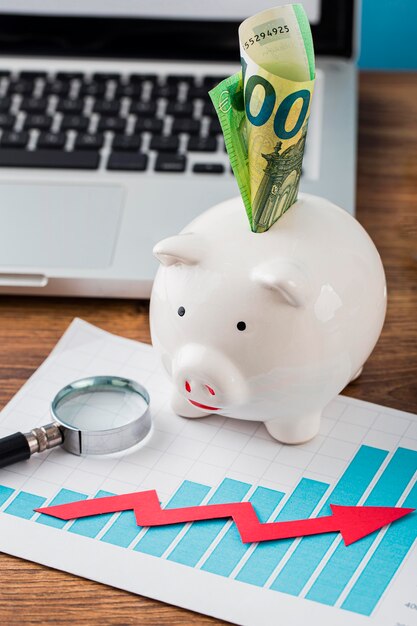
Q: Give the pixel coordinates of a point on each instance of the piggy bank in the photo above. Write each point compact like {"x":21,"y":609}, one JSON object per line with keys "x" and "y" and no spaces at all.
{"x":267,"y":327}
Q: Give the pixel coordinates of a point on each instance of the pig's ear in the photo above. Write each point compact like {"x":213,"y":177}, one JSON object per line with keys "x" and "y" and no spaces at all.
{"x":186,"y":249}
{"x":286,"y":278}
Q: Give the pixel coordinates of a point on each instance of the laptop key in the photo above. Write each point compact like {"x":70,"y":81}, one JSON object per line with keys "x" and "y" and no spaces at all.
{"x":198,"y":92}
{"x":42,"y":122}
{"x":141,"y":78}
{"x":103,"y":77}
{"x":180,"y":109}
{"x":74,"y":122}
{"x":70,"y":105}
{"x":21,"y":87}
{"x":69,"y":76}
{"x":143,"y":109}
{"x":215,"y":128}
{"x":86,"y":141}
{"x":170,"y":163}
{"x":5,"y":104}
{"x":29,"y":75}
{"x":116,"y":124}
{"x":127,"y":142}
{"x":56,"y":88}
{"x":202,"y":144}
{"x":127,"y":161}
{"x":132,"y":90}
{"x":164,"y":144}
{"x":96,"y":90}
{"x":52,"y":140}
{"x":13,"y":139}
{"x":6,"y":120}
{"x":209,"y":110}
{"x":53,"y":159}
{"x":208,"y":168}
{"x":212,"y":81}
{"x":174,"y":79}
{"x":34,"y":105}
{"x":169,"y":92}
{"x":144,"y":124}
{"x":192,"y":127}
{"x":107,"y":107}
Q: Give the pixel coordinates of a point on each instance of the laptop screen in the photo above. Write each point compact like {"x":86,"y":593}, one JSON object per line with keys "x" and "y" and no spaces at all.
{"x":156,"y":29}
{"x":215,"y":10}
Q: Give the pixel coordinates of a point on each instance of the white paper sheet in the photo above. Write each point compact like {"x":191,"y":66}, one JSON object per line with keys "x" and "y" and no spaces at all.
{"x":364,"y":454}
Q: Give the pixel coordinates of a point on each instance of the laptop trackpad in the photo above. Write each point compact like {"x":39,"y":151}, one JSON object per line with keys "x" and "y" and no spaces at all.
{"x":59,"y":225}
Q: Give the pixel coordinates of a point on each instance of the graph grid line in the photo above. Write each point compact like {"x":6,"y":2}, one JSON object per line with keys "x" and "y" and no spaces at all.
{"x":361,"y":453}
{"x":228,"y":551}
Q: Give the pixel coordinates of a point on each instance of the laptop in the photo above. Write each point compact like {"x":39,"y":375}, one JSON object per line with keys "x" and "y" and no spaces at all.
{"x":109,"y":142}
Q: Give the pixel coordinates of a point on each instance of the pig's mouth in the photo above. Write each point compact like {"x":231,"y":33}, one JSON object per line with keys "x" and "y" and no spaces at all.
{"x":205,"y":407}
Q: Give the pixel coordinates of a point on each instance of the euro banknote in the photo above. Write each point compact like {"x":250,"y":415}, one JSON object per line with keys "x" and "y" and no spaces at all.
{"x":264,"y":110}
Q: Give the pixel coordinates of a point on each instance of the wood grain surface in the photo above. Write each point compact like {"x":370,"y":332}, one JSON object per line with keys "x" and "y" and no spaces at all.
{"x":29,"y":328}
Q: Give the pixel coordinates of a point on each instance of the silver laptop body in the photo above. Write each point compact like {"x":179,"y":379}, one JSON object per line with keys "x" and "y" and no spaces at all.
{"x":87,"y":183}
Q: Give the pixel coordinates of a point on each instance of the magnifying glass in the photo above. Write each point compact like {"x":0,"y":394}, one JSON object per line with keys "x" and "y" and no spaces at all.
{"x":96,"y":415}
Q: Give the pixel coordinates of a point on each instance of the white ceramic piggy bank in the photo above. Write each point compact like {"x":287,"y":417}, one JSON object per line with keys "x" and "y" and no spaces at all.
{"x":267,"y":327}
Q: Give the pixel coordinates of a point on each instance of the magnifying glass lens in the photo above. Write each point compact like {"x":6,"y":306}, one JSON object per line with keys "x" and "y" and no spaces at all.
{"x":102,"y":414}
{"x":96,"y":415}
{"x":100,"y":409}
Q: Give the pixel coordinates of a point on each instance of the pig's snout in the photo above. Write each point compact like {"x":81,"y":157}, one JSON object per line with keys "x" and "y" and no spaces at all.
{"x":188,"y":389}
{"x":207,"y":378}
{"x":202,"y":396}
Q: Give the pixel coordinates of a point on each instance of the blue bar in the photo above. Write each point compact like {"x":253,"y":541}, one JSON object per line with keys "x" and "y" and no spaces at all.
{"x":201,"y":534}
{"x":385,"y":561}
{"x":344,"y":561}
{"x":157,"y":539}
{"x":23,"y":505}
{"x":266,"y":556}
{"x":311,"y":550}
{"x":123,"y":531}
{"x":63,"y":497}
{"x":230,"y":549}
{"x":5,"y":493}
{"x":91,"y":526}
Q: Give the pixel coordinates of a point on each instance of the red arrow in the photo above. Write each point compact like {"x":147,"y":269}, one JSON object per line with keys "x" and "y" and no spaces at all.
{"x":353,"y":522}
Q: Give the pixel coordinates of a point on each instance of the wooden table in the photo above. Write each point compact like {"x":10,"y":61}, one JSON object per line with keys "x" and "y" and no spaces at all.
{"x":29,"y":328}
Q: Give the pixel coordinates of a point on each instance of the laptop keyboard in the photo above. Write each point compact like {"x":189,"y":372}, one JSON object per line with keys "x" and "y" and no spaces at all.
{"x":136,"y":123}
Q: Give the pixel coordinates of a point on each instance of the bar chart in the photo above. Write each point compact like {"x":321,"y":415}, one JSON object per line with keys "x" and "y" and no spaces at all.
{"x":364,"y":454}
{"x":319,"y":568}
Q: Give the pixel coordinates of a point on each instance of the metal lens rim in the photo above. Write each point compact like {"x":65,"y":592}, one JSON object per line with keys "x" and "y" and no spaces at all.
{"x":99,"y":383}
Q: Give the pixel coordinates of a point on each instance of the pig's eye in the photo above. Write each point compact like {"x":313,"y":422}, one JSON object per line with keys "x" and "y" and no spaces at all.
{"x":181,"y":311}
{"x":241,"y":326}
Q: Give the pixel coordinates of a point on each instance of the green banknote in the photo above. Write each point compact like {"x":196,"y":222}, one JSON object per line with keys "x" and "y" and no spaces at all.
{"x":264,"y":110}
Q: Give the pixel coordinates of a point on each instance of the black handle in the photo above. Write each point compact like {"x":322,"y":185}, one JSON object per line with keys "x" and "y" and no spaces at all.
{"x":13,"y":448}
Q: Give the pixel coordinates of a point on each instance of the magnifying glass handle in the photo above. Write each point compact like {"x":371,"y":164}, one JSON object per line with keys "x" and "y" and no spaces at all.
{"x":21,"y":446}
{"x":14,"y":448}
